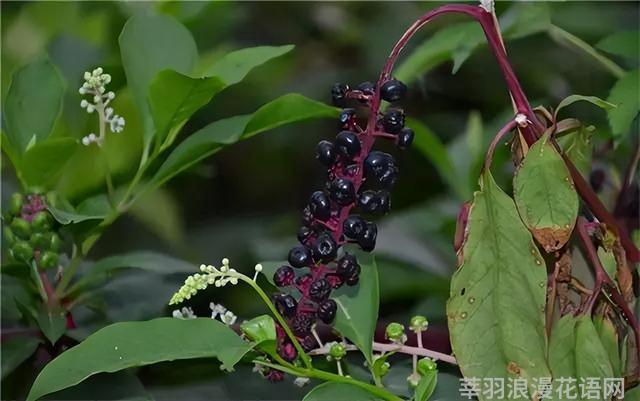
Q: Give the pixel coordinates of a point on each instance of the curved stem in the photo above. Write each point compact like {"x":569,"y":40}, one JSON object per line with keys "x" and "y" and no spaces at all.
{"x":510,"y":126}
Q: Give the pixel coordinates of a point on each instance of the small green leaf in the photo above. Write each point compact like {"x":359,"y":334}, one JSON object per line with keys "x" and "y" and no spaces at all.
{"x":624,"y":94}
{"x":332,"y":391}
{"x":44,"y":161}
{"x":208,"y":140}
{"x":149,"y":44}
{"x":69,"y":216}
{"x":578,"y":147}
{"x":569,"y":100}
{"x":259,"y":329}
{"x":357,"y":312}
{"x":33,"y":103}
{"x":234,"y":66}
{"x":426,"y":386}
{"x":52,"y":323}
{"x":624,"y":44}
{"x":130,"y":344}
{"x":608,"y":261}
{"x":15,"y":351}
{"x":609,"y":339}
{"x":545,"y":196}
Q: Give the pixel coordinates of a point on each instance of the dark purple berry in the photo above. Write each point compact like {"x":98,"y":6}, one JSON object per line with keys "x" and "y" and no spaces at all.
{"x":347,"y":266}
{"x":307,"y":216}
{"x":300,"y":256}
{"x":393,"y":121}
{"x":275,"y":376}
{"x":339,"y":94}
{"x":325,"y":153}
{"x":405,"y":138}
{"x":347,"y":115}
{"x":374,"y":202}
{"x":325,"y":248}
{"x":285,"y":304}
{"x":308,"y":343}
{"x":368,"y":240}
{"x":342,"y":191}
{"x":301,"y":324}
{"x":393,"y":90}
{"x":353,"y":227}
{"x":288,"y":352}
{"x":319,"y":290}
{"x":368,"y":88}
{"x":320,"y":206}
{"x":353,"y":280}
{"x":348,"y":144}
{"x":304,"y":233}
{"x":284,"y":276}
{"x":327,"y":311}
{"x":381,"y":166}
{"x":389,"y":176}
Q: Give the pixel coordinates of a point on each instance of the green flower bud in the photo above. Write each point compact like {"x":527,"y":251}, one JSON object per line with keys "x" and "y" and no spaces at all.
{"x":55,"y":243}
{"x":17,"y":200}
{"x":9,"y":236}
{"x":419,"y":324}
{"x":395,"y":333}
{"x":49,"y":260}
{"x":41,"y":222}
{"x":21,"y":228}
{"x":22,"y":251}
{"x":384,"y":369}
{"x":426,"y":365}
{"x":39,"y":241}
{"x":337,"y":351}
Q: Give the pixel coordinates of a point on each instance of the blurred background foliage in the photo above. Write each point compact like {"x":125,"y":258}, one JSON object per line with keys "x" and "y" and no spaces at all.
{"x":244,"y":202}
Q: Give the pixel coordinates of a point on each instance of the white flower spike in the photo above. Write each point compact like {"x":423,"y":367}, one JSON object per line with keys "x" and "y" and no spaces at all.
{"x":95,"y":86}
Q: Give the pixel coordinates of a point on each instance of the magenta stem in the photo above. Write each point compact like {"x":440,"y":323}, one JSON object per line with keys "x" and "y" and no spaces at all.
{"x":510,"y":126}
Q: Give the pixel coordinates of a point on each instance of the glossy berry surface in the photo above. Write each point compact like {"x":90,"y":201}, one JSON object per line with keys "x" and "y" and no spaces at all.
{"x":319,"y":290}
{"x":393,"y":121}
{"x":381,"y":167}
{"x":325,"y":248}
{"x":304,"y":233}
{"x":286,"y":305}
{"x":393,"y":90}
{"x":347,"y":266}
{"x":299,"y":256}
{"x":367,"y":87}
{"x":353,"y":227}
{"x":405,"y":138}
{"x":301,"y":324}
{"x":348,"y":144}
{"x":284,"y":276}
{"x":338,"y":94}
{"x":325,"y":153}
{"x":342,"y":191}
{"x":327,"y":311}
{"x":368,"y":240}
{"x":347,"y":115}
{"x":320,"y":205}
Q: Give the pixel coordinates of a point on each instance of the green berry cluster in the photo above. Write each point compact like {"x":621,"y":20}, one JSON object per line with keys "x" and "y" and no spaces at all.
{"x":30,"y":232}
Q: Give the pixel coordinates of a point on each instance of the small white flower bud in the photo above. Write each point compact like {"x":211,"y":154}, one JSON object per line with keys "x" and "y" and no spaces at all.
{"x":258,"y":268}
{"x":96,"y":98}
{"x":98,"y":71}
{"x":90,"y":108}
{"x":92,"y":137}
{"x":87,"y":75}
{"x":111,"y":95}
{"x":86,"y":141}
{"x":84,"y":103}
{"x":82,"y":90}
{"x":225,"y":262}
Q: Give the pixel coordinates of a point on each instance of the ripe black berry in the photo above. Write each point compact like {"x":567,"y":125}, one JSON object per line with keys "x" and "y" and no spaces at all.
{"x":320,"y":206}
{"x":348,"y":144}
{"x":286,"y":305}
{"x":393,"y":121}
{"x":307,"y":216}
{"x":405,"y":138}
{"x":288,"y":352}
{"x":381,"y":166}
{"x":325,"y":153}
{"x":304,"y":233}
{"x":300,"y":256}
{"x":353,"y":280}
{"x":301,"y":324}
{"x":338,"y":94}
{"x":308,"y":343}
{"x":368,"y":240}
{"x":325,"y":248}
{"x":319,"y":290}
{"x":393,"y":90}
{"x":347,"y":115}
{"x":353,"y":227}
{"x":368,"y":88}
{"x":283,"y":276}
{"x":342,"y":191}
{"x":374,"y":202}
{"x":347,"y":266}
{"x":327,"y":311}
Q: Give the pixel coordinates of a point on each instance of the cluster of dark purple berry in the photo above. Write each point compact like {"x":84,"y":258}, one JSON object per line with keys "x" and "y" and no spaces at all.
{"x":327,"y":222}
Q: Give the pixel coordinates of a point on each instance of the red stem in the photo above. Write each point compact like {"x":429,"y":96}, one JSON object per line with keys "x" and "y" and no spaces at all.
{"x":510,"y":126}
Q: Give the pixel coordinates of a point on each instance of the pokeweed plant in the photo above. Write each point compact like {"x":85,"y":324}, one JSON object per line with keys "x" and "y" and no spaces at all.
{"x":516,"y":312}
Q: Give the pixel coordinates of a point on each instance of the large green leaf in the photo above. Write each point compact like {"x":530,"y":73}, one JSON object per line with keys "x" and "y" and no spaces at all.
{"x":284,"y":110}
{"x":545,"y":196}
{"x":233,"y":67}
{"x":357,"y":312}
{"x":15,"y":351}
{"x":44,"y":161}
{"x":33,"y":103}
{"x":52,"y":323}
{"x":149,"y":44}
{"x":624,"y":94}
{"x":497,"y":298}
{"x":332,"y":391}
{"x":130,"y":344}
{"x":624,"y":44}
{"x":609,"y":339}
{"x":562,"y":347}
{"x":426,"y":386}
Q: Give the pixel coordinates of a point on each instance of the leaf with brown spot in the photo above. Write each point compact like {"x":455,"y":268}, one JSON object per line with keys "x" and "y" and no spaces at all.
{"x":545,"y":196}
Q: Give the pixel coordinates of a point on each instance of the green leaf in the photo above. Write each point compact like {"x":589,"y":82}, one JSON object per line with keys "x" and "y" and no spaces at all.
{"x":208,"y":140}
{"x":497,"y":297}
{"x":525,"y":19}
{"x":15,"y":351}
{"x":234,"y":66}
{"x":426,"y":386}
{"x":33,"y":103}
{"x":130,"y":344}
{"x":69,"y":216}
{"x":562,"y":347}
{"x":160,"y":202}
{"x":624,"y":94}
{"x":545,"y":196}
{"x":624,"y":44}
{"x":608,"y":261}
{"x":44,"y":161}
{"x":332,"y":391}
{"x":52,"y":323}
{"x":174,"y":98}
{"x":578,"y":147}
{"x":148,"y":45}
{"x":122,"y":386}
{"x":259,"y":329}
{"x":357,"y":312}
{"x":592,"y":359}
{"x":609,"y":339}
{"x":569,"y":100}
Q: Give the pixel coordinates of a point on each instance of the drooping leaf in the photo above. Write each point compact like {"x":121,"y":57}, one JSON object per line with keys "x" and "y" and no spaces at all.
{"x":233,"y":67}
{"x":284,"y":110}
{"x":33,"y":103}
{"x":624,"y":44}
{"x":15,"y":351}
{"x":149,"y":44}
{"x":45,"y":160}
{"x":569,"y":100}
{"x":579,"y":148}
{"x":426,"y":386}
{"x":357,"y":312}
{"x":130,"y":344}
{"x":545,"y":196}
{"x":338,"y":392}
{"x":624,"y":94}
{"x":52,"y":323}
{"x":497,"y":298}
{"x":70,"y":216}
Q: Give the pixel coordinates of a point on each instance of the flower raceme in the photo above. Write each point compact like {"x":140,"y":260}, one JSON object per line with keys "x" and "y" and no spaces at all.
{"x":94,"y":85}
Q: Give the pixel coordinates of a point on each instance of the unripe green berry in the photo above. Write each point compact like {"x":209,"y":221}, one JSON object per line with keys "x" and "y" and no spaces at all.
{"x":337,"y":351}
{"x":22,"y":251}
{"x":41,"y":222}
{"x":419,"y":324}
{"x":21,"y":228}
{"x":384,"y":369}
{"x":49,"y":260}
{"x":39,"y":241}
{"x":17,"y":200}
{"x":395,"y":332}
{"x":413,"y":380}
{"x":55,"y":243}
{"x":9,"y":236}
{"x":426,"y":365}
